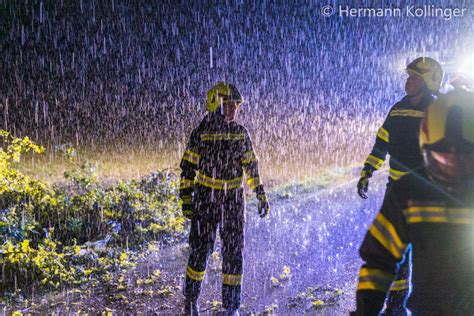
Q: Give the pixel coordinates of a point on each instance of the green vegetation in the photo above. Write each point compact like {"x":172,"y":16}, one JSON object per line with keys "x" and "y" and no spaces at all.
{"x":80,"y":232}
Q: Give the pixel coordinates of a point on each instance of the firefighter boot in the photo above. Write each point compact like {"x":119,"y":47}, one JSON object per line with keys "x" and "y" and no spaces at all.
{"x":231,"y":299}
{"x":231,"y":312}
{"x":396,"y":303}
{"x":191,"y":308}
{"x":192,"y":289}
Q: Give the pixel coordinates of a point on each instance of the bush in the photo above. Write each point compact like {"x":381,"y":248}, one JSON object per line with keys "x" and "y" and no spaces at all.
{"x":43,"y":226}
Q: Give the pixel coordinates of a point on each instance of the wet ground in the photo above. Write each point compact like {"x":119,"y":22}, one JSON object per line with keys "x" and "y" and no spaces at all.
{"x":301,"y":259}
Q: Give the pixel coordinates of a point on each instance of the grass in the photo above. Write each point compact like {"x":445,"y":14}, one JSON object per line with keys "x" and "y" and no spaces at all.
{"x":112,"y":165}
{"x":326,"y":178}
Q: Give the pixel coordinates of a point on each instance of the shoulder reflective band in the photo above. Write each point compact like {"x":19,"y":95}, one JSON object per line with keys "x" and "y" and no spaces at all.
{"x":399,"y":285}
{"x":219,"y":184}
{"x":253,"y":182}
{"x":410,"y":113}
{"x":387,"y":236}
{"x":396,"y":175}
{"x":439,"y":214}
{"x":374,"y":162}
{"x":231,"y":279}
{"x":216,"y":137}
{"x":248,"y":157}
{"x":383,"y":134}
{"x":191,"y":157}
{"x":195,"y":275}
{"x":186,"y":184}
{"x":374,"y":279}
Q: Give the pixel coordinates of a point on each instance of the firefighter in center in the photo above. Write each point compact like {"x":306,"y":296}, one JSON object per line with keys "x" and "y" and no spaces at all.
{"x":218,"y":156}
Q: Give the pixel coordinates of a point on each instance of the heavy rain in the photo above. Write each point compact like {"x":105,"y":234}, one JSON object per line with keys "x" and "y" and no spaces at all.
{"x":99,"y":98}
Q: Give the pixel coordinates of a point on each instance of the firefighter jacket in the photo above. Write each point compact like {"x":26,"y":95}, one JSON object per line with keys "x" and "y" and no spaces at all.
{"x":439,"y":226}
{"x":217,"y":155}
{"x":398,"y":136}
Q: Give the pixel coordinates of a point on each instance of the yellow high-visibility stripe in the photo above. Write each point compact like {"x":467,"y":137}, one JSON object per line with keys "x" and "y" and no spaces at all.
{"x":192,"y":153}
{"x":186,"y":184}
{"x":216,"y":137}
{"x":399,"y":285}
{"x":253,"y":182}
{"x":249,"y":156}
{"x":383,"y":134}
{"x":231,"y":279}
{"x":195,"y":275}
{"x":374,"y":162}
{"x":410,"y":113}
{"x":191,"y":157}
{"x":187,"y":199}
{"x":385,"y":233}
{"x":219,"y":184}
{"x":433,"y":219}
{"x":370,"y":286}
{"x":374,"y":279}
{"x":439,"y":214}
{"x":396,"y":175}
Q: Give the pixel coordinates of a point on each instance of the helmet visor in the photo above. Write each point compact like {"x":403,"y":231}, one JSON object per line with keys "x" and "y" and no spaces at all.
{"x":235,"y":103}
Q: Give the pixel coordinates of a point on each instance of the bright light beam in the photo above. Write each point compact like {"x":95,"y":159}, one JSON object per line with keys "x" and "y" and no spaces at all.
{"x":467,"y":66}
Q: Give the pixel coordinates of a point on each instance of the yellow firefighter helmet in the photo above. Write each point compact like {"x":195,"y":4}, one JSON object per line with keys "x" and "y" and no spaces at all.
{"x":429,"y":70}
{"x":220,"y":93}
{"x":447,"y":138}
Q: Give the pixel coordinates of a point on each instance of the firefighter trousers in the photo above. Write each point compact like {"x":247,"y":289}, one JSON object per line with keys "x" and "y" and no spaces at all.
{"x":398,"y":294}
{"x":223,"y":209}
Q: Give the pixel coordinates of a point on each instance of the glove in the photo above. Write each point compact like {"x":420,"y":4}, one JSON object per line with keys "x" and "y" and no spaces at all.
{"x":263,"y":205}
{"x":369,"y":303}
{"x":363,"y":184}
{"x":188,"y":211}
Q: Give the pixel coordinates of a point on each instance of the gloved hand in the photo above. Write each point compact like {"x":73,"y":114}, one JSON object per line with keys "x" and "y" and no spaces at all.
{"x":369,"y":303}
{"x":363,"y":184}
{"x":263,"y":205}
{"x":188,"y":210}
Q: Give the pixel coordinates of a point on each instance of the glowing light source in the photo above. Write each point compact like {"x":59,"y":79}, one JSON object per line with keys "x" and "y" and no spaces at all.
{"x":467,"y":66}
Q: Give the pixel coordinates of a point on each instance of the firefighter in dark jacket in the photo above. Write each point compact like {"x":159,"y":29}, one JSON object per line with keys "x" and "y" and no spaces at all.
{"x":218,"y":155}
{"x":398,"y":136}
{"x":431,"y":211}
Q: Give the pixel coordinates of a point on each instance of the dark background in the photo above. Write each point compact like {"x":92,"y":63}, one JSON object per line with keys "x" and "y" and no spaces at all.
{"x":119,"y":72}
